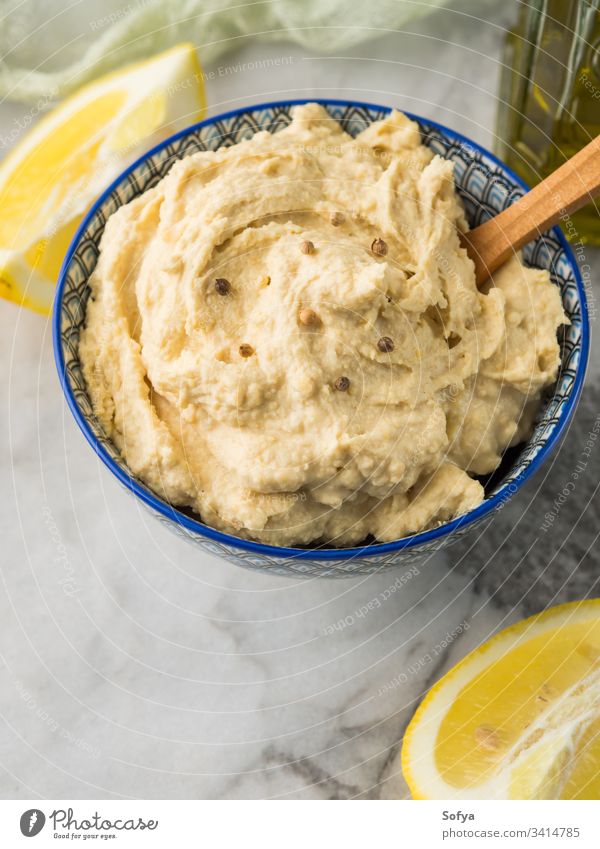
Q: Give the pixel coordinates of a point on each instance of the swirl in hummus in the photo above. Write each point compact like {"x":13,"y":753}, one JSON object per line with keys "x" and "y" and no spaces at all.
{"x":286,"y":337}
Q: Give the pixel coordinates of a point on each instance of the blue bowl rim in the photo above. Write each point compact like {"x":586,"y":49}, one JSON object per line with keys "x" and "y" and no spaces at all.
{"x":316,"y":553}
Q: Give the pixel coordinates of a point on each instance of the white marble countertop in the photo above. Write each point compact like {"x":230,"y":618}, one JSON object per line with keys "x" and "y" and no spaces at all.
{"x":131,"y":665}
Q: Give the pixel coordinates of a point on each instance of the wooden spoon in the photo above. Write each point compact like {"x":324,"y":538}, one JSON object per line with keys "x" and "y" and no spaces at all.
{"x":565,"y":191}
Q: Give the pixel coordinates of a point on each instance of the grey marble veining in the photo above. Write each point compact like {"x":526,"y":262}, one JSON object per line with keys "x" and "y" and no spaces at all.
{"x":132,"y":665}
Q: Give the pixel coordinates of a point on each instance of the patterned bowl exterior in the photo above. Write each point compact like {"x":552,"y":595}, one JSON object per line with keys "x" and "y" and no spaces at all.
{"x":486,"y":187}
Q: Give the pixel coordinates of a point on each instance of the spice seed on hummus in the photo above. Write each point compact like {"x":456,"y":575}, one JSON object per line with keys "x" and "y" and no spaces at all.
{"x":337,"y":218}
{"x":307,"y":247}
{"x":308,"y":317}
{"x":342,"y":384}
{"x":246,"y":350}
{"x":385,"y":344}
{"x":222,"y":286}
{"x":379,"y":247}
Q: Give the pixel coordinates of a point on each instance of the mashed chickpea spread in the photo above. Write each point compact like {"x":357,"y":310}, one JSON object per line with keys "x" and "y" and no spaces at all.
{"x":285,"y":336}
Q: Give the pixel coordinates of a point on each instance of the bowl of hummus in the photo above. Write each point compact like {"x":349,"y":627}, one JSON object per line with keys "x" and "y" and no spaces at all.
{"x":268,"y":330}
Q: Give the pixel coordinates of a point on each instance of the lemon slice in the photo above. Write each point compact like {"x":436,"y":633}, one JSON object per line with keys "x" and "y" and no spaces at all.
{"x":518,"y":718}
{"x":50,"y":179}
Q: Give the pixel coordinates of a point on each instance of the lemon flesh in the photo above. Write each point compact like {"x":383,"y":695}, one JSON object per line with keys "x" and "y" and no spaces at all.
{"x":50,"y":179}
{"x":518,"y":718}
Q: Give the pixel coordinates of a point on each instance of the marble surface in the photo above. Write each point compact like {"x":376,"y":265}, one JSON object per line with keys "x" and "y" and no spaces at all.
{"x":131,"y":665}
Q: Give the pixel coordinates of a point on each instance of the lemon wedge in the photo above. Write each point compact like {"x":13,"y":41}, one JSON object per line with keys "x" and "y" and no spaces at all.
{"x":518,"y":718}
{"x":50,"y":179}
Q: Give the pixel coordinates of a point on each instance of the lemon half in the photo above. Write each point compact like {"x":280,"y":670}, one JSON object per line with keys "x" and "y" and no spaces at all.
{"x":518,"y":718}
{"x":49,"y":180}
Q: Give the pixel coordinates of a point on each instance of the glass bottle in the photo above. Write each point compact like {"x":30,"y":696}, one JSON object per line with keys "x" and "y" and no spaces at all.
{"x":549,"y":99}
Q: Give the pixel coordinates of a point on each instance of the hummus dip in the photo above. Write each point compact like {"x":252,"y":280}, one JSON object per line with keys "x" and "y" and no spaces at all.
{"x":286,"y":337}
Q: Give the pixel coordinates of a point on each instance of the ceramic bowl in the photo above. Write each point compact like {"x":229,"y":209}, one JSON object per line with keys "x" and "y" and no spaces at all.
{"x":486,"y":187}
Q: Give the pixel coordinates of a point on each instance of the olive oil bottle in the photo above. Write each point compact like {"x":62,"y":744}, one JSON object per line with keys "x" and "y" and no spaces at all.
{"x":549,"y":99}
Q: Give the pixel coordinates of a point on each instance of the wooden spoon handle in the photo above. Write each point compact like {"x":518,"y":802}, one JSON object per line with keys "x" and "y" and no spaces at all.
{"x":566,"y":190}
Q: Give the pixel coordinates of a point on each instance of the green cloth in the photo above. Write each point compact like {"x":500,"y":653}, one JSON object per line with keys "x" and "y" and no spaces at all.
{"x":50,"y":47}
